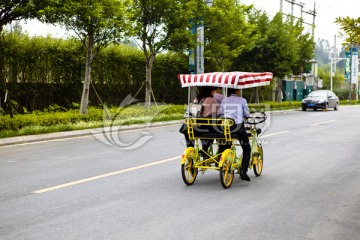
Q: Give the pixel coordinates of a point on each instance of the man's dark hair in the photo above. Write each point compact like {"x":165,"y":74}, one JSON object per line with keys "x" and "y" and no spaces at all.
{"x":231,"y":91}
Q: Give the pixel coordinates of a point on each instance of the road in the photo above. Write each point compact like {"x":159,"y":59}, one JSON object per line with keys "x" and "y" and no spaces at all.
{"x":82,"y":188}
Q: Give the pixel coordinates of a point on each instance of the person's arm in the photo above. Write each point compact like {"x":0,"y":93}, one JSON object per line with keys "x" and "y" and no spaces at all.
{"x":246,"y":111}
{"x":215,"y":108}
{"x":222,"y":108}
{"x":218,"y":97}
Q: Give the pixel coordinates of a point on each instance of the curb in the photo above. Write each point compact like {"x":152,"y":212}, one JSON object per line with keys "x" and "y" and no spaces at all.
{"x":81,"y":133}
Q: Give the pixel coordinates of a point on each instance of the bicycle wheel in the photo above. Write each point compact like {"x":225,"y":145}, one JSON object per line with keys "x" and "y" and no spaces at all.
{"x":188,"y":172}
{"x":226,"y":172}
{"x":258,"y":160}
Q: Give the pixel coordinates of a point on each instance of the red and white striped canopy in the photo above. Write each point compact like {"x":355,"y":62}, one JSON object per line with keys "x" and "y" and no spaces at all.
{"x":238,"y":80}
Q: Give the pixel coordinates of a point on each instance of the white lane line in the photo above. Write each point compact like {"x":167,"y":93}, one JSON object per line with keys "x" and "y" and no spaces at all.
{"x":104,"y":175}
{"x":316,"y":114}
{"x":121,"y":171}
{"x":321,"y":123}
{"x":357,"y":115}
{"x":273,"y":134}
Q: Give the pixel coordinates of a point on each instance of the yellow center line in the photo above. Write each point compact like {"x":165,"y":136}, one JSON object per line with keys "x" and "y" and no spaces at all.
{"x":273,"y":134}
{"x":104,"y":175}
{"x":321,"y":123}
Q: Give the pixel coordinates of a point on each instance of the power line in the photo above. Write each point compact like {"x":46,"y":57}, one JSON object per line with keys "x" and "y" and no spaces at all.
{"x":301,"y":5}
{"x":335,"y":8}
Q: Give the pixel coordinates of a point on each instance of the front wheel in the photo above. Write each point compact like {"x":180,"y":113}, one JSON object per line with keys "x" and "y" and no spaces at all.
{"x":336,"y":106}
{"x":326,"y":107}
{"x":258,"y":160}
{"x":188,"y":172}
{"x":226,"y":172}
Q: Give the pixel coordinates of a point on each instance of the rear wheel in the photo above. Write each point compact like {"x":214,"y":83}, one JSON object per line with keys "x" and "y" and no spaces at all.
{"x":258,"y":160}
{"x":188,"y":172}
{"x":304,"y":109}
{"x":226,"y":172}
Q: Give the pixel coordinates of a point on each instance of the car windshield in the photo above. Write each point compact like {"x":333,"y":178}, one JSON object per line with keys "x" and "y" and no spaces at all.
{"x":318,"y":94}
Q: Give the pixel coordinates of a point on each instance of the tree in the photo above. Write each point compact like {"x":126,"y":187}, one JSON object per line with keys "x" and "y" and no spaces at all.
{"x":11,"y":10}
{"x":305,"y":50}
{"x":95,"y":22}
{"x":351,"y":27}
{"x":227,"y":32}
{"x":162,"y":25}
{"x":280,"y":47}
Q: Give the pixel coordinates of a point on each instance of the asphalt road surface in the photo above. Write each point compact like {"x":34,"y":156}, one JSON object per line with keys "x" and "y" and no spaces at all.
{"x":131,"y":187}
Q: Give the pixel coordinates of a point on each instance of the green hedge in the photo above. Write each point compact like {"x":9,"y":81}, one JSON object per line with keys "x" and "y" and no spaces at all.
{"x":56,"y":120}
{"x":41,"y":71}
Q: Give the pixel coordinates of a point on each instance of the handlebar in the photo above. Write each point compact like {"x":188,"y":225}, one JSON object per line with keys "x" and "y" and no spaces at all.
{"x":256,"y":118}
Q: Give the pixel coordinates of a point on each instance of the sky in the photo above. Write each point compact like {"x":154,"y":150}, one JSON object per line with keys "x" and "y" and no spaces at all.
{"x":326,"y":12}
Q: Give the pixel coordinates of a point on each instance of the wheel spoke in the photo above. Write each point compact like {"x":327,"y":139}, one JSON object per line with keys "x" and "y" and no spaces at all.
{"x":258,"y":162}
{"x":189,"y":173}
{"x":226,"y":175}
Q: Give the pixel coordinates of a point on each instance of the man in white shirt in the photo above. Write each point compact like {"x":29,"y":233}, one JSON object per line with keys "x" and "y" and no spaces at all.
{"x":235,"y":107}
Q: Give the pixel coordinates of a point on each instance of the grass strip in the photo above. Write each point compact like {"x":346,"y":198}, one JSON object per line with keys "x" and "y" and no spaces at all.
{"x":50,"y":122}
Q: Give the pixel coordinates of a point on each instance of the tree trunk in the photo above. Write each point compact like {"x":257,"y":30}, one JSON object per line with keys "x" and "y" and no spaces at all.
{"x":148,"y":84}
{"x":86,"y":87}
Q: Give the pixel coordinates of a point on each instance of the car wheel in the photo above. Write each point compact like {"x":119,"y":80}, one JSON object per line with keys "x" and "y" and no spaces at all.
{"x":304,"y":108}
{"x":336,"y":106}
{"x":326,"y":106}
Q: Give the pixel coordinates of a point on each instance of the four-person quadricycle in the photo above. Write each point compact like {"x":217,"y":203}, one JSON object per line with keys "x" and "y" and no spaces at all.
{"x":221,"y":129}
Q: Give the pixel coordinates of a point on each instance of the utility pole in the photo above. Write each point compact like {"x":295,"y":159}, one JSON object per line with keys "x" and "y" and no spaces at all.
{"x":293,"y":2}
{"x":301,"y":5}
{"x":301,"y":19}
{"x":313,"y":13}
{"x":302,"y":10}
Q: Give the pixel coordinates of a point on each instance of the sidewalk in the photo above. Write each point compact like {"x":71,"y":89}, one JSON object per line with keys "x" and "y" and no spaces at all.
{"x":79,"y":133}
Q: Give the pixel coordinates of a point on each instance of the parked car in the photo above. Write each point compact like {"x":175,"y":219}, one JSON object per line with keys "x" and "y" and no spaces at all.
{"x":321,"y":99}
